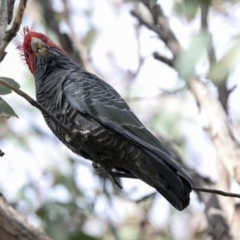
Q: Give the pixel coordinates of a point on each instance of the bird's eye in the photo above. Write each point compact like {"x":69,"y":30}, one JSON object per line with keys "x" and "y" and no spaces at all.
{"x":27,"y":55}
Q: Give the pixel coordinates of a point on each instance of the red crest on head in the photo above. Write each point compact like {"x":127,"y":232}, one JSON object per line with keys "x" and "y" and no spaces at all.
{"x":23,"y":33}
{"x":26,"y":51}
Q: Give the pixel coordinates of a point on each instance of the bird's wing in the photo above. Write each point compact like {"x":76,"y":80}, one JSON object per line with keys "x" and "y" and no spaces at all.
{"x":90,"y":95}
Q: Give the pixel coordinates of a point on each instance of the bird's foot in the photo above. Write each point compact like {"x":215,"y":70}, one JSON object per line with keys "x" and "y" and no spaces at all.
{"x":97,"y":167}
{"x":76,"y":132}
{"x":113,"y":176}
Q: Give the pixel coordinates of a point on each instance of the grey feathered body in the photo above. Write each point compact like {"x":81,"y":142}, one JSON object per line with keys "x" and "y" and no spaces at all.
{"x":118,"y":140}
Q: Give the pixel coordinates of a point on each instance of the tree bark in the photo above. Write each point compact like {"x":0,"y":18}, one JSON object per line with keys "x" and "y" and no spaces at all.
{"x":14,"y":226}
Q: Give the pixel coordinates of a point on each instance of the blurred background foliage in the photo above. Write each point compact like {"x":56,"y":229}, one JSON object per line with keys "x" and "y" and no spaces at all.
{"x":61,"y":192}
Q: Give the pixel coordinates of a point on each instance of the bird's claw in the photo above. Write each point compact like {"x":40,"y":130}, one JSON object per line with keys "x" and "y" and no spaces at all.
{"x":75,"y":133}
{"x":113,"y":176}
{"x":97,"y":167}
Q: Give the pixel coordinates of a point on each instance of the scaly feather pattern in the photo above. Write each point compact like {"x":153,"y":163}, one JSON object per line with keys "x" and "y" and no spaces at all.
{"x":118,"y":140}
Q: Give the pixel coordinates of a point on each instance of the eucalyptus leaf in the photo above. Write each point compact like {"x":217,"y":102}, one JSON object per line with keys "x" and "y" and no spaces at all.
{"x":226,"y":65}
{"x":5,"y":90}
{"x":5,"y":110}
{"x":190,"y":9}
{"x":187,"y":61}
{"x":90,"y":37}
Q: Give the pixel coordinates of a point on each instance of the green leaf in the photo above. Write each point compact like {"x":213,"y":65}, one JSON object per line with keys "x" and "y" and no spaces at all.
{"x":196,"y":50}
{"x":90,"y":37}
{"x":190,"y":9}
{"x":226,"y":65}
{"x":152,"y":3}
{"x":5,"y":90}
{"x":5,"y":110}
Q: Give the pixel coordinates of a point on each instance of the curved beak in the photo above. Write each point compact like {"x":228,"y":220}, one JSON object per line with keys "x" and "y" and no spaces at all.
{"x":37,"y":44}
{"x":39,"y":47}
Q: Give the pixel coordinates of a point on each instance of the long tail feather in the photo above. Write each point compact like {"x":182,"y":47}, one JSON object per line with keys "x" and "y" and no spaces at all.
{"x":178,"y":180}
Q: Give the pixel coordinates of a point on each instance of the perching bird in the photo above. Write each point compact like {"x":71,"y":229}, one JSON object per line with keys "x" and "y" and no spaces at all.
{"x":104,"y":128}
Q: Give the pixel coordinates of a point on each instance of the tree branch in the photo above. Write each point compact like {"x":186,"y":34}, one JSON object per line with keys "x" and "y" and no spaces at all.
{"x":162,"y":23}
{"x":13,"y":226}
{"x":149,"y":25}
{"x":163,"y":59}
{"x":10,"y":6}
{"x":37,"y":105}
{"x":218,"y":128}
{"x":221,"y":85}
{"x":218,"y":192}
{"x":3,"y":18}
{"x":3,"y":23}
{"x":12,"y":32}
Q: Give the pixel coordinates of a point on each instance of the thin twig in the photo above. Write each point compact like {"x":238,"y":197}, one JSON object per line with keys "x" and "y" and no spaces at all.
{"x":163,"y":59}
{"x":146,"y":197}
{"x":37,"y":105}
{"x":198,"y":189}
{"x":230,"y":90}
{"x":141,"y":59}
{"x":149,"y":25}
{"x":218,"y":192}
{"x":161,"y":21}
{"x":12,"y":32}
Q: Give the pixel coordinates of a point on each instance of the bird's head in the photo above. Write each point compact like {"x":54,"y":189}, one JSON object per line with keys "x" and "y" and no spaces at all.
{"x":36,"y":44}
